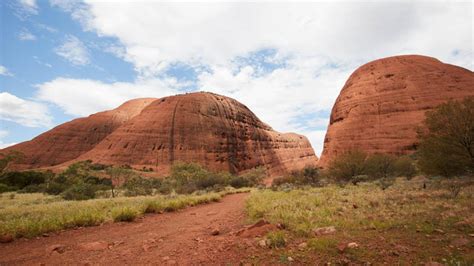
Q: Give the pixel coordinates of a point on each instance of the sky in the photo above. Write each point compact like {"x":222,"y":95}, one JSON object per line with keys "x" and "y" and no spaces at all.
{"x":286,"y":61}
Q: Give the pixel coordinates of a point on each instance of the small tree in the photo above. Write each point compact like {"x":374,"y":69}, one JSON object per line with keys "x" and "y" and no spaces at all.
{"x":348,"y":165}
{"x":404,"y":166}
{"x":447,"y":147}
{"x":380,"y":166}
{"x":118,"y":175}
{"x":138,"y":186}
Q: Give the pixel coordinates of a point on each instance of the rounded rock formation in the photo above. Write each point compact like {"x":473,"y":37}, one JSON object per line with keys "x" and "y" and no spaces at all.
{"x":215,"y":131}
{"x":69,"y":140}
{"x":383,"y":104}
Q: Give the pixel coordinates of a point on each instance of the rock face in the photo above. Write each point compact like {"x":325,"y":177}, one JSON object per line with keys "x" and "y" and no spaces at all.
{"x":69,"y":140}
{"x":212,"y":130}
{"x":384,"y":102}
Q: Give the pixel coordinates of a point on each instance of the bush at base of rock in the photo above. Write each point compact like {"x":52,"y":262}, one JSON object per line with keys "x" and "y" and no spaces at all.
{"x":447,"y":146}
{"x":356,"y":166}
{"x":138,"y":186}
{"x":190,"y":177}
{"x":82,"y":191}
{"x":308,"y":176}
{"x":80,"y":181}
{"x":19,"y":180}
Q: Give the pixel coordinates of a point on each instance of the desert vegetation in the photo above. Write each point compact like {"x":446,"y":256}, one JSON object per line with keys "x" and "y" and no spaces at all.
{"x":360,"y":208}
{"x":447,"y":146}
{"x":86,"y":180}
{"x":397,"y":223}
{"x":33,"y":214}
{"x":369,"y":206}
{"x":86,"y":194}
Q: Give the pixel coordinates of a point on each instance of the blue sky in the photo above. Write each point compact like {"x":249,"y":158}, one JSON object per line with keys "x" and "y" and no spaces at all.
{"x":287,"y":62}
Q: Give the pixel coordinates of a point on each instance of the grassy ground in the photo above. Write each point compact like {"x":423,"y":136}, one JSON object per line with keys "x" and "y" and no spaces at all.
{"x":29,"y":215}
{"x":402,"y":224}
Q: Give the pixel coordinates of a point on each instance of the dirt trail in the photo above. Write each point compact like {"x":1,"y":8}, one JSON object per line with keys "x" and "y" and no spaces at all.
{"x":183,"y":237}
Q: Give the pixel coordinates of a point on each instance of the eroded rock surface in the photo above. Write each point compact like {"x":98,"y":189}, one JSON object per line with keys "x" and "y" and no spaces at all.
{"x":212,"y":130}
{"x":69,"y":140}
{"x":384,"y":102}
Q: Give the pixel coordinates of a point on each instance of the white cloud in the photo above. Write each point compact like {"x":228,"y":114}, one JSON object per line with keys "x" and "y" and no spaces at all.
{"x":23,"y":112}
{"x":83,"y":97}
{"x":26,"y":35}
{"x":77,"y":8}
{"x":46,"y":27}
{"x":37,"y":60}
{"x":319,"y":44}
{"x":4,"y":71}
{"x":74,"y":50}
{"x":156,"y":34}
{"x":282,"y":96}
{"x":25,"y":8}
{"x":3,"y":134}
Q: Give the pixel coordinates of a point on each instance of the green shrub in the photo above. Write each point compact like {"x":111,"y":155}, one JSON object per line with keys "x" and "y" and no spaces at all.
{"x":125,"y":214}
{"x":380,"y":166}
{"x":276,"y":239}
{"x":81,"y":191}
{"x":356,"y":166}
{"x":447,"y":146}
{"x":308,"y":176}
{"x":5,"y":188}
{"x":55,"y":188}
{"x":190,"y":177}
{"x":404,"y":166}
{"x":184,"y":176}
{"x":19,"y":180}
{"x":98,"y":166}
{"x":287,"y":179}
{"x":347,"y":165}
{"x":254,"y":176}
{"x":174,"y":205}
{"x":138,"y":186}
{"x":33,"y":188}
{"x":154,"y":207}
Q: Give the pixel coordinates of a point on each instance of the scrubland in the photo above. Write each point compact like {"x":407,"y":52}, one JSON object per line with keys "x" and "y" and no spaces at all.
{"x":412,"y":221}
{"x":33,"y":214}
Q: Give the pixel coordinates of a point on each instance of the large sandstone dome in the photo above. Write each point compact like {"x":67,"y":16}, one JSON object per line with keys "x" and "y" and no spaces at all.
{"x":69,"y":140}
{"x":215,"y":131}
{"x":383,"y":103}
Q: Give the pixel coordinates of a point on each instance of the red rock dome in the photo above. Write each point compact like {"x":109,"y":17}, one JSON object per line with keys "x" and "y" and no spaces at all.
{"x":69,"y":140}
{"x":384,"y":102}
{"x":212,"y":130}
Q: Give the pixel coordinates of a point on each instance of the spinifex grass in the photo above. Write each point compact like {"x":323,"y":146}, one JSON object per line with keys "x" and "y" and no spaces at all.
{"x":28,"y":215}
{"x":402,"y":219}
{"x":405,"y":204}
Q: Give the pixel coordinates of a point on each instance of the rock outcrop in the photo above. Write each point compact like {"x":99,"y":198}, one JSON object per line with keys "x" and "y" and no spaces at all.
{"x":215,"y":131}
{"x":72,"y":139}
{"x":383,"y":103}
{"x":212,"y":130}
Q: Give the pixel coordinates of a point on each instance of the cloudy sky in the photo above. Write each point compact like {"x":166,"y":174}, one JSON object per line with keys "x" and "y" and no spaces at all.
{"x":287,"y":62}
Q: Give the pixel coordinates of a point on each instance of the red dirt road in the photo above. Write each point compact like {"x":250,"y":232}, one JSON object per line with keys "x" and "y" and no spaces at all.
{"x":182,"y":237}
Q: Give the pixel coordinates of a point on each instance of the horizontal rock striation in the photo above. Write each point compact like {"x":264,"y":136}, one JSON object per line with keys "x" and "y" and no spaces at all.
{"x":215,"y":131}
{"x":69,"y":140}
{"x":383,"y":103}
{"x":212,"y":130}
